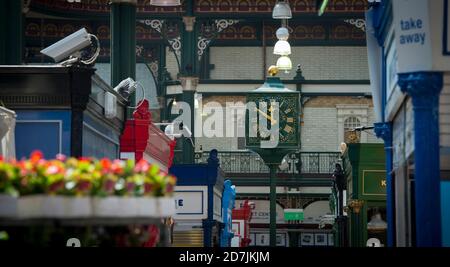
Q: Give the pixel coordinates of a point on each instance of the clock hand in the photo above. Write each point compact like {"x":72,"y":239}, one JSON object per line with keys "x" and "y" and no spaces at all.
{"x":273,"y":121}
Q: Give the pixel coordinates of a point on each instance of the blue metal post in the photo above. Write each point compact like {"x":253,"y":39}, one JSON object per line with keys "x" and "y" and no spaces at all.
{"x":208,"y":224}
{"x":384,"y":130}
{"x":424,"y":88}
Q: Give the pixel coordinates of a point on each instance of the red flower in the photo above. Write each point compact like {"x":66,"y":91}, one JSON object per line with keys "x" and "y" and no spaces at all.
{"x":61,"y":157}
{"x":53,"y":169}
{"x":36,"y":156}
{"x":106,"y":164}
{"x":117,"y":167}
{"x":142,"y":166}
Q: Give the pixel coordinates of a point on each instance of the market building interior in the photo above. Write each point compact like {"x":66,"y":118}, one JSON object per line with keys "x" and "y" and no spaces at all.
{"x":168,"y":82}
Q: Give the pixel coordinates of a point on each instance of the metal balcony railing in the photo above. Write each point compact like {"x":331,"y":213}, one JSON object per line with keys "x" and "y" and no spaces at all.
{"x":247,"y":162}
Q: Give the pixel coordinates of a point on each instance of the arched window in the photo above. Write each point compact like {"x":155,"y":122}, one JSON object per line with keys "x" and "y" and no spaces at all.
{"x":352,"y":136}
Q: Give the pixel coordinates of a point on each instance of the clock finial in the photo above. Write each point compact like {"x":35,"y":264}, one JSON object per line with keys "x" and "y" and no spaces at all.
{"x":273,"y":70}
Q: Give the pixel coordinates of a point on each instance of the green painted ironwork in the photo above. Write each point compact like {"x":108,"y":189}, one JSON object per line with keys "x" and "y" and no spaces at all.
{"x":248,"y":162}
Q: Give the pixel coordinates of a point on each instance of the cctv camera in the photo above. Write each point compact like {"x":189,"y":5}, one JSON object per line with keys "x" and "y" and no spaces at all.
{"x":71,"y":46}
{"x":68,"y":46}
{"x":126,"y":87}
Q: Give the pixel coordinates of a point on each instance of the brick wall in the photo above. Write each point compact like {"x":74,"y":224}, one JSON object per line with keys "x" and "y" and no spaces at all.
{"x":332,"y":101}
{"x":317,"y":62}
{"x":319,"y":130}
{"x":237,"y":63}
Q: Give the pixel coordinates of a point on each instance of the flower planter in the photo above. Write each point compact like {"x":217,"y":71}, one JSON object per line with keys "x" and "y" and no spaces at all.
{"x":8,"y":206}
{"x":64,"y":207}
{"x":59,"y":207}
{"x":141,"y":207}
{"x":30,"y":206}
{"x":146,"y":206}
{"x":115,"y":207}
{"x":165,"y":207}
{"x":77,"y":207}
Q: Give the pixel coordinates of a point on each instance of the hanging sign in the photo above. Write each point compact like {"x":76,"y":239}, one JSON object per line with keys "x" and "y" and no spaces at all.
{"x":294,"y":215}
{"x":412,"y":35}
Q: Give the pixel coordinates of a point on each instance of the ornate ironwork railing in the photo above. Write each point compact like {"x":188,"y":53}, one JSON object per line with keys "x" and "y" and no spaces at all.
{"x":296,"y":163}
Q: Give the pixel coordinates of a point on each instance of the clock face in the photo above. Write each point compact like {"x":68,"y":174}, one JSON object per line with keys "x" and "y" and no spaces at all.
{"x":280,"y":112}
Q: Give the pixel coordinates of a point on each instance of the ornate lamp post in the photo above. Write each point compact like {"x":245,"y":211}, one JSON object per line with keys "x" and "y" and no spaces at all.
{"x":272,"y":130}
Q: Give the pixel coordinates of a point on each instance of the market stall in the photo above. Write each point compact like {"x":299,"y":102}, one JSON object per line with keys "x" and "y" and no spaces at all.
{"x":241,"y":225}
{"x":203,"y":205}
{"x":364,"y":169}
{"x":142,"y":139}
{"x":67,"y":110}
{"x":259,"y":224}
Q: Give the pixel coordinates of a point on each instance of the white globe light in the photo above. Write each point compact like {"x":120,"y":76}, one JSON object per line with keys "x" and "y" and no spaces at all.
{"x":282,"y":10}
{"x":282,"y":48}
{"x":284,"y":63}
{"x":282,"y":34}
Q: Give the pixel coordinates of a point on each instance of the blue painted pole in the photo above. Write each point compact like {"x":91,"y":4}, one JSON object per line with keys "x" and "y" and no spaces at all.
{"x":384,"y":130}
{"x":424,"y":88}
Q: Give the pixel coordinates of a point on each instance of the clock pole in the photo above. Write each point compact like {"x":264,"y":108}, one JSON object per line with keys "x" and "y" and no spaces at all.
{"x":273,"y":205}
{"x":288,"y":133}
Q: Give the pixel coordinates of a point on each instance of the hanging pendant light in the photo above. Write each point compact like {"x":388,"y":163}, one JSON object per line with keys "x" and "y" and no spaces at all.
{"x":282,"y":34}
{"x":282,"y":48}
{"x":282,"y":10}
{"x":165,"y":2}
{"x":284,"y":63}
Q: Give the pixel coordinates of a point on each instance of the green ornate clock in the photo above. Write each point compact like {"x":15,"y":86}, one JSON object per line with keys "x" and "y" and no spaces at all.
{"x":272,"y":115}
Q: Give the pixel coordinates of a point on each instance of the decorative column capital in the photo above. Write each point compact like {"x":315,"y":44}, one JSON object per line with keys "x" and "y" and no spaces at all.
{"x":383,"y":130}
{"x":420,"y":84}
{"x":189,"y":83}
{"x":189,"y":23}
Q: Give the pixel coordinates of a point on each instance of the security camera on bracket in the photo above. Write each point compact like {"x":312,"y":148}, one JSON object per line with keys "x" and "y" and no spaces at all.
{"x":74,"y":47}
{"x":176,"y":130}
{"x":126,"y":88}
